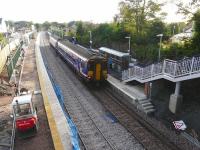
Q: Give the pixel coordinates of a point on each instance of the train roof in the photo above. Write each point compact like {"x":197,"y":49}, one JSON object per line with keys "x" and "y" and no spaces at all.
{"x":113,"y":52}
{"x":78,"y":49}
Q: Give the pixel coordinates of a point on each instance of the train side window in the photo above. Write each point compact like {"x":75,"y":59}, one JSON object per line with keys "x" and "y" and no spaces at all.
{"x":104,"y":65}
{"x":83,"y":64}
{"x":91,"y":65}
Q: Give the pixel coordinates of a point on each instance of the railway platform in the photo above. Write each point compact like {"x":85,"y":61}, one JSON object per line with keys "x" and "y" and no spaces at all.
{"x":135,"y":94}
{"x":60,"y":130}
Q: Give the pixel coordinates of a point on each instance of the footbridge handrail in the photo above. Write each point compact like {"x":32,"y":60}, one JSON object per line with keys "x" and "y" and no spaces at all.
{"x":168,"y":69}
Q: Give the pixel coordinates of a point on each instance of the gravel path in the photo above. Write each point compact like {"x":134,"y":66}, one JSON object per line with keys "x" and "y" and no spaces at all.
{"x":87,"y":113}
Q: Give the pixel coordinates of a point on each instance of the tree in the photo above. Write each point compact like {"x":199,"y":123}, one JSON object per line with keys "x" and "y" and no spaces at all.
{"x":196,"y":38}
{"x":188,"y":9}
{"x":2,"y":40}
{"x":46,"y":25}
{"x":155,"y":27}
{"x":80,"y":32}
{"x":137,"y":12}
{"x":37,"y":26}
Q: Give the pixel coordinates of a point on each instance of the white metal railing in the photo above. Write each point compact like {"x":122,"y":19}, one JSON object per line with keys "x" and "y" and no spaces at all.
{"x":12,"y":142}
{"x":169,"y":69}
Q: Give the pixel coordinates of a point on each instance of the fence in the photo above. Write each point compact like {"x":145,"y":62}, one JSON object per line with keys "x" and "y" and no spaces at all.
{"x":5,"y":52}
{"x":174,"y":70}
{"x":13,"y":60}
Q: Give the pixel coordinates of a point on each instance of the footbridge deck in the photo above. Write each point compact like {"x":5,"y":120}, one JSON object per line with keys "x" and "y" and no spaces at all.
{"x":171,"y":70}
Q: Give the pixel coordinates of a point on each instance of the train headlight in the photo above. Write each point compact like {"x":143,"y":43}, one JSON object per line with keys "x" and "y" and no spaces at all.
{"x":105,"y":73}
{"x":90,"y":73}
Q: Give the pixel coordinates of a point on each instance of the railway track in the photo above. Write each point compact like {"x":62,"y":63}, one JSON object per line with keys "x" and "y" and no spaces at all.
{"x":150,"y":138}
{"x":87,"y":126}
{"x":88,"y":113}
{"x":95,"y":131}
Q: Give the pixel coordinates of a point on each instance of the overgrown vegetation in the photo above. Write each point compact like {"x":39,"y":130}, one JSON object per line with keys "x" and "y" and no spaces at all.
{"x":3,"y":41}
{"x":142,"y":21}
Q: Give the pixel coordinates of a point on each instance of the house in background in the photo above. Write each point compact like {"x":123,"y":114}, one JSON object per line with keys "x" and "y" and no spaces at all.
{"x":3,"y":27}
{"x":186,"y":34}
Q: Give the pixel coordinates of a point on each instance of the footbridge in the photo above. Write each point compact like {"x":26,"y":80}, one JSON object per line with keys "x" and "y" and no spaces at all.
{"x":171,"y":70}
{"x":174,"y":71}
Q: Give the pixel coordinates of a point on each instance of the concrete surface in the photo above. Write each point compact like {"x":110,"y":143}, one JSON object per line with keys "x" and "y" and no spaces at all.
{"x":58,"y":124}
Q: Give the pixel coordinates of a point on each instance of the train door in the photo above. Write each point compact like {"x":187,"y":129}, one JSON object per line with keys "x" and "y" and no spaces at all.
{"x":98,"y":71}
{"x":91,"y":66}
{"x":104,"y":69}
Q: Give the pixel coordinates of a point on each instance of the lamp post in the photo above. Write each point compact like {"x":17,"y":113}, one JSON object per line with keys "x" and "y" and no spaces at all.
{"x":159,"y":35}
{"x":129,"y":44}
{"x":174,"y":27}
{"x":90,"y":39}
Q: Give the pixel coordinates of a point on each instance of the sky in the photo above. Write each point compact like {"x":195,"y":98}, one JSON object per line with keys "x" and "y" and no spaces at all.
{"x":96,"y":11}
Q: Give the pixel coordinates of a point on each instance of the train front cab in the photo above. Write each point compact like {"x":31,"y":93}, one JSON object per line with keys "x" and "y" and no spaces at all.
{"x":97,"y":70}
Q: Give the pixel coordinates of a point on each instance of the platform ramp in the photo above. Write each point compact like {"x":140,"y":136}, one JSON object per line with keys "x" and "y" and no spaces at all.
{"x":134,"y":94}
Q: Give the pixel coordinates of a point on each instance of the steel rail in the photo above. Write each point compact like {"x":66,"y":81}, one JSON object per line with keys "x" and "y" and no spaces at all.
{"x":81,"y":137}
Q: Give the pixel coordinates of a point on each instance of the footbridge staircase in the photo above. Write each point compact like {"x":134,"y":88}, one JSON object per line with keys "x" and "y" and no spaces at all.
{"x":171,"y":70}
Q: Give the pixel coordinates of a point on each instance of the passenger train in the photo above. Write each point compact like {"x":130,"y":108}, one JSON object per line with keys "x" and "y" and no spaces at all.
{"x":90,"y":66}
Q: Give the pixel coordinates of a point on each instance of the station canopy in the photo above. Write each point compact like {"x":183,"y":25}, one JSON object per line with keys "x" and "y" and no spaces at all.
{"x":113,"y":52}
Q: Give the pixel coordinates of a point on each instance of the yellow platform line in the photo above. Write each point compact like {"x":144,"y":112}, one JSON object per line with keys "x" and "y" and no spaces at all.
{"x":52,"y":124}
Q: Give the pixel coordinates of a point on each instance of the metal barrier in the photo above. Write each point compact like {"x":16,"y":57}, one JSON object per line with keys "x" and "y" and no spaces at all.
{"x":13,"y":136}
{"x":168,"y":69}
{"x":5,"y":52}
{"x":13,"y":61}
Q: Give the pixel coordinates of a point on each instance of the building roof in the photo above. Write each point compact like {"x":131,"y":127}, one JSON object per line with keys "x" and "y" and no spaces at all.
{"x":179,"y":37}
{"x":3,"y":28}
{"x":113,"y":52}
{"x":189,"y":27}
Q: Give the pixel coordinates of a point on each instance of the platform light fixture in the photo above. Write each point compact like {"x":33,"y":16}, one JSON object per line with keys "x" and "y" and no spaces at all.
{"x":90,"y":32}
{"x":129,"y":44}
{"x":159,"y":35}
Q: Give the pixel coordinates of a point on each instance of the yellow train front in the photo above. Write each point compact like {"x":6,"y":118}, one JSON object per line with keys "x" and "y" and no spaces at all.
{"x":97,"y":69}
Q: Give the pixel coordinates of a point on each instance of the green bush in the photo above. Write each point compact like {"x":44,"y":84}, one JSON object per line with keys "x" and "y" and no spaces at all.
{"x":3,"y":40}
{"x":196,"y":38}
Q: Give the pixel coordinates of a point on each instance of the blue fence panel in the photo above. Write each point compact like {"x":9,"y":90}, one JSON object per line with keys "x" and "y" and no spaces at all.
{"x":74,"y":134}
{"x":73,"y":129}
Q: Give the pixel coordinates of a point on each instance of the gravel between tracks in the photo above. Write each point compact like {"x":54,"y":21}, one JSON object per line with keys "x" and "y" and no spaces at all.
{"x":86,"y":111}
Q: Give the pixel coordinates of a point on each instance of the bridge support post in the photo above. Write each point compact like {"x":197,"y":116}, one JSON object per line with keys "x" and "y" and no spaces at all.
{"x":175,"y":99}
